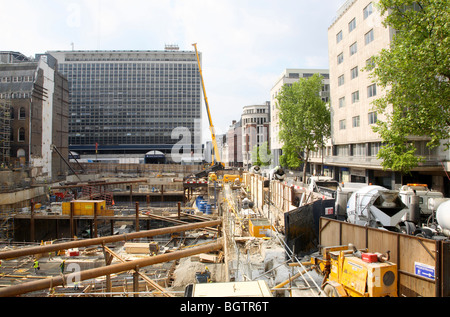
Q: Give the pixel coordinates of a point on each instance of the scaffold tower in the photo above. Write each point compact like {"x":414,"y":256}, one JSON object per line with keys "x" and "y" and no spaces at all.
{"x":5,"y":131}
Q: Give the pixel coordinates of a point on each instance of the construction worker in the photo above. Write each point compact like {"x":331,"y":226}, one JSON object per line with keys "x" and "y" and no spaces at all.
{"x":50,"y":257}
{"x":62,"y":266}
{"x":36,"y":266}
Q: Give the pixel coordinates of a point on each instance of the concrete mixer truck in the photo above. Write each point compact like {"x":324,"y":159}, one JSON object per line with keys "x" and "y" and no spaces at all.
{"x":277,"y":173}
{"x":377,"y":207}
{"x":438,"y":224}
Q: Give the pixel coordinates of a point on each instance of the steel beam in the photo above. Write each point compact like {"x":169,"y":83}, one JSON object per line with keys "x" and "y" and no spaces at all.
{"x":19,"y":289}
{"x":108,"y":239}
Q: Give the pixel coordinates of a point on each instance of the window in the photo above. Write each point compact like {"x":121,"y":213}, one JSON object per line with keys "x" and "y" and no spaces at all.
{"x":354,"y":72}
{"x":341,"y":102}
{"x":372,"y":117}
{"x":374,"y":148}
{"x":22,"y":114}
{"x":355,"y":122}
{"x":342,"y":150}
{"x":342,"y":124}
{"x":372,"y":90}
{"x":352,"y":25}
{"x":368,"y":10}
{"x":355,"y":96}
{"x":353,"y":48}
{"x":340,"y":58}
{"x":358,"y":149}
{"x":368,"y":37}
{"x":21,"y":135}
{"x":370,"y":63}
{"x":339,"y":37}
{"x":341,"y":80}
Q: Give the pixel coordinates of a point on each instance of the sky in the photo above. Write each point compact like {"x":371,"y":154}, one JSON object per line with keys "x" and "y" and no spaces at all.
{"x":245,"y":44}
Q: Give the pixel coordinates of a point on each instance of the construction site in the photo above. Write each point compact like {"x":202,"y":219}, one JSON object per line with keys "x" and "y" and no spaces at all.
{"x":230,"y":234}
{"x":154,"y":240}
{"x":174,"y":230}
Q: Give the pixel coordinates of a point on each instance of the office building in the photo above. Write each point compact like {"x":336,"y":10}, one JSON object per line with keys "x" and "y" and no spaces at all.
{"x":131,"y":101}
{"x":354,"y":37}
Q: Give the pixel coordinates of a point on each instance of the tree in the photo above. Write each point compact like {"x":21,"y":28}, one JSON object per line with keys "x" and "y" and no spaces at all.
{"x":415,"y":74}
{"x":261,"y":155}
{"x":305,"y":121}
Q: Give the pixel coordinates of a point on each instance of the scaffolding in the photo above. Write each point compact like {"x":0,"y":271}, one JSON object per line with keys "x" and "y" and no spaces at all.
{"x":5,"y":131}
{"x":6,"y":226}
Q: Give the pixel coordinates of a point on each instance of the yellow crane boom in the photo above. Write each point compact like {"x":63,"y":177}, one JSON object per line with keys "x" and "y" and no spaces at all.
{"x":211,"y":126}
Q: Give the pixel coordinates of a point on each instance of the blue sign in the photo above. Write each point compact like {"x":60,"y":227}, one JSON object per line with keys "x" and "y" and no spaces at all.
{"x":424,"y":270}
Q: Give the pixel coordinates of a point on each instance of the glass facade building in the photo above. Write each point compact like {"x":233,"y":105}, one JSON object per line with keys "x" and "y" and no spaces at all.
{"x":131,"y":101}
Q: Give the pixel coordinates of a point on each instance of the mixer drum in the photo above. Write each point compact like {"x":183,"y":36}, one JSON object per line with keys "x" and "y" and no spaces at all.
{"x":443,"y":215}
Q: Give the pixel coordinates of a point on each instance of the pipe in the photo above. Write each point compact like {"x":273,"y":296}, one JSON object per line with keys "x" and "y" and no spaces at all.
{"x":383,"y":257}
{"x":291,"y":278}
{"x":108,"y":239}
{"x":110,"y":269}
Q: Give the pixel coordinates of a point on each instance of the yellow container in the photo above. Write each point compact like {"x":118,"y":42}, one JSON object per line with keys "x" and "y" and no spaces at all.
{"x":84,"y":207}
{"x":258,"y":227}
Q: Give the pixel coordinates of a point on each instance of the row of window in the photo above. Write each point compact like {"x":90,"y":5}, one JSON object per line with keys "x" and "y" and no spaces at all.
{"x":258,"y":110}
{"x":255,"y":120}
{"x":15,"y":95}
{"x":17,"y":79}
{"x":367,"y":11}
{"x":371,"y":92}
{"x":82,"y":140}
{"x":353,"y":48}
{"x":144,"y":65}
{"x":22,"y":113}
{"x":372,"y":118}
{"x":360,"y":149}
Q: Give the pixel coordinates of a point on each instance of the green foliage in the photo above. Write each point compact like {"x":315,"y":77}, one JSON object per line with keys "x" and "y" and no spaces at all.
{"x":261,"y":155}
{"x":415,"y":73}
{"x":305,"y":121}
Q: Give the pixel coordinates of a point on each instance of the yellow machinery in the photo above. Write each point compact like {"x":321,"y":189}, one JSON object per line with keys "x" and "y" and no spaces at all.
{"x":211,"y":126}
{"x":212,"y":177}
{"x":229,"y":178}
{"x":349,"y":272}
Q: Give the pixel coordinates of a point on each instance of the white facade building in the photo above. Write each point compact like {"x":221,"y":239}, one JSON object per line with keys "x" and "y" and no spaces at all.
{"x":354,"y":37}
{"x":255,"y":129}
